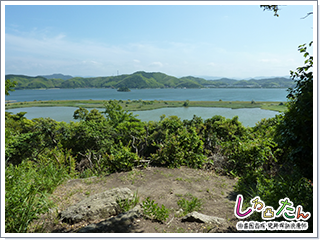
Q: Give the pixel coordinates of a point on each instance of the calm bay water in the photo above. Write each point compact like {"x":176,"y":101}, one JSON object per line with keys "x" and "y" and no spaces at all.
{"x":205,"y":94}
{"x":247,"y":116}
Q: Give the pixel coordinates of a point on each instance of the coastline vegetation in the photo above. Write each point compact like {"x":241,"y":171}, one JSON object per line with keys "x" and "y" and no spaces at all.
{"x":140,"y":105}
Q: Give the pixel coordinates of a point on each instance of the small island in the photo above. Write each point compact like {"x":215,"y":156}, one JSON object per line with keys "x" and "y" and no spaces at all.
{"x":123,"y":89}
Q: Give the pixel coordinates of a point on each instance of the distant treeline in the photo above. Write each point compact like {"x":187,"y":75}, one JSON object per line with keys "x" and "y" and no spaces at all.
{"x":142,"y":80}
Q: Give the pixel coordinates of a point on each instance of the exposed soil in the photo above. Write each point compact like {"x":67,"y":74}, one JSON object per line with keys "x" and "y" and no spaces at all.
{"x":164,"y":186}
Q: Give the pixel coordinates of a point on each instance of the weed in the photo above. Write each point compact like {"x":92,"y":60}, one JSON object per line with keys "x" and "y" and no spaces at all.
{"x":185,"y":180}
{"x":152,"y":210}
{"x":223,"y":185}
{"x":127,"y":204}
{"x":188,"y":195}
{"x":166,"y":174}
{"x":132,"y":176}
{"x":194,"y":204}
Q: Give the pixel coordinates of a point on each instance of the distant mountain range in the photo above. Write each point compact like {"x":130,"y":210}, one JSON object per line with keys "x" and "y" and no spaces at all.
{"x":57,"y":76}
{"x":143,"y":80}
{"x":237,"y":78}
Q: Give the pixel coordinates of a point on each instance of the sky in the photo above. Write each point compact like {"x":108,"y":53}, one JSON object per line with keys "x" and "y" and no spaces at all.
{"x":234,"y":41}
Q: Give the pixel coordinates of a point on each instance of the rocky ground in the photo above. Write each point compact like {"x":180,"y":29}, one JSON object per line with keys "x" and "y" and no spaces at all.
{"x":164,"y":186}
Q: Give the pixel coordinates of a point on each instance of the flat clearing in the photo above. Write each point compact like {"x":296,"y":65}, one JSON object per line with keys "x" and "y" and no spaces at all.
{"x":164,"y":186}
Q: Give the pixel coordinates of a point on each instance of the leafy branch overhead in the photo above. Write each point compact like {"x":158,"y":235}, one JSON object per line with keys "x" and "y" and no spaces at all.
{"x":273,"y":8}
{"x":10,"y":86}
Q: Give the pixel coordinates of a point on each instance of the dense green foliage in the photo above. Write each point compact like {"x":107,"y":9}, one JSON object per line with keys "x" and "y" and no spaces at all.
{"x":296,"y":131}
{"x":142,"y":80}
{"x":26,"y":82}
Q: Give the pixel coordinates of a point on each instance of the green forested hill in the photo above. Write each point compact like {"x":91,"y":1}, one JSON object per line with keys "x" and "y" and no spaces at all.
{"x":26,"y":82}
{"x":144,"y":80}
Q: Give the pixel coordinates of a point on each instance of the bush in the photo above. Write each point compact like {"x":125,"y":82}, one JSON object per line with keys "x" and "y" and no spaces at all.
{"x":183,"y":148}
{"x":120,"y":159}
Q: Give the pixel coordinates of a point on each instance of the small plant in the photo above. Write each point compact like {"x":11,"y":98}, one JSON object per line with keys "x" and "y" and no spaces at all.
{"x":127,"y":204}
{"x":153,"y":211}
{"x":194,"y":204}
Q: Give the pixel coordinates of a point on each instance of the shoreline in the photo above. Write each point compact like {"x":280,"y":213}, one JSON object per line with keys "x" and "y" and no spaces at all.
{"x":139,"y":105}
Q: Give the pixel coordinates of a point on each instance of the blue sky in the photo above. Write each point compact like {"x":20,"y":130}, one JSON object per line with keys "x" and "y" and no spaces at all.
{"x":212,"y":40}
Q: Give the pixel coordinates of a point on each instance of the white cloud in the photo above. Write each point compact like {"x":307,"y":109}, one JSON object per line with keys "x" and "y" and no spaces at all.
{"x":36,"y":53}
{"x":156,"y":64}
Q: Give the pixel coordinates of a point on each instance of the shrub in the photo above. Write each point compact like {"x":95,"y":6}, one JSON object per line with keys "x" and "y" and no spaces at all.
{"x":120,"y":159}
{"x":184,"y":148}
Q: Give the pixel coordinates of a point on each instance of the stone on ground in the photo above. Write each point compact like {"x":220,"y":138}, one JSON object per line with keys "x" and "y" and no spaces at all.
{"x":118,"y":224}
{"x":99,"y":206}
{"x":199,"y":217}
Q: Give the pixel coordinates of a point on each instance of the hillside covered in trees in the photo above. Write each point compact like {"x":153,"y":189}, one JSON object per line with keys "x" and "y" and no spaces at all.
{"x":142,"y":80}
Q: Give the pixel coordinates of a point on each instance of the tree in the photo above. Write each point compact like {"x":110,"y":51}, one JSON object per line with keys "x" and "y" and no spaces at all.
{"x":295,"y":133}
{"x":296,"y":130}
{"x":80,"y":113}
{"x":10,"y":86}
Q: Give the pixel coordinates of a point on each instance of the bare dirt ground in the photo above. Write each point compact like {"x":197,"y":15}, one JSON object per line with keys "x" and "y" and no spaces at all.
{"x":164,"y":186}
